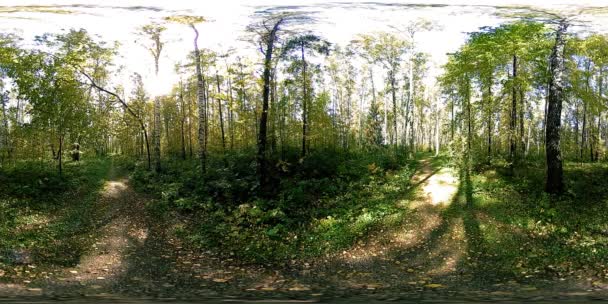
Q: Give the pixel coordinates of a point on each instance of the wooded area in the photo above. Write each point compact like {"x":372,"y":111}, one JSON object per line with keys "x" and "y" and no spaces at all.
{"x":298,"y":157}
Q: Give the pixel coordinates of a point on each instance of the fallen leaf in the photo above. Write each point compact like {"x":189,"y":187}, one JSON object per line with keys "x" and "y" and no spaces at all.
{"x":434,"y":286}
{"x":35,"y":289}
{"x":299,"y":288}
{"x":220,"y":280}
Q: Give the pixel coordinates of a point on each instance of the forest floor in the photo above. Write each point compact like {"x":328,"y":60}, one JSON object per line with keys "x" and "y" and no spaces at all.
{"x":437,"y":252}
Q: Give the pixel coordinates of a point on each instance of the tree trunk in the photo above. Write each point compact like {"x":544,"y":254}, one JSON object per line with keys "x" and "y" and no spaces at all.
{"x":489,"y":122}
{"x":513,"y":122}
{"x":437,"y":127}
{"x":304,"y":102}
{"x":411,"y":105}
{"x":183,"y":121}
{"x":4,"y":140}
{"x":190,"y":149}
{"x":522,"y":106}
{"x":453,"y":122}
{"x":555,"y":183}
{"x":143,"y":128}
{"x":219,"y":106}
{"x":584,"y":133}
{"x":583,"y":144}
{"x":230,"y":112}
{"x":468,"y":104}
{"x":200,"y":85}
{"x":60,"y":155}
{"x":394,"y":94}
{"x":273,"y":106}
{"x":261,"y":155}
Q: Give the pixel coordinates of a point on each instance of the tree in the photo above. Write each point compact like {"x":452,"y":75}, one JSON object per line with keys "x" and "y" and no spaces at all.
{"x":200,"y":86}
{"x":555,"y":182}
{"x":153,"y":32}
{"x":267,"y":30}
{"x":302,"y":44}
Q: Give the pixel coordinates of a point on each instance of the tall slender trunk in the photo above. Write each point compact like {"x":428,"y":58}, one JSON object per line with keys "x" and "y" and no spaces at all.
{"x":453,"y":121}
{"x":261,"y":155}
{"x":273,"y":106}
{"x":4,"y":140}
{"x":437,"y":127}
{"x":60,"y":154}
{"x":394,"y":94}
{"x":230,"y":111}
{"x":583,"y":144}
{"x":522,"y":106}
{"x":411,"y":105}
{"x":584,"y":133}
{"x":157,"y":127}
{"x":513,"y":122}
{"x":555,"y":183}
{"x":489,"y":122}
{"x":220,"y":112}
{"x":304,"y":102}
{"x":200,"y":85}
{"x":183,"y":120}
{"x":469,"y":124}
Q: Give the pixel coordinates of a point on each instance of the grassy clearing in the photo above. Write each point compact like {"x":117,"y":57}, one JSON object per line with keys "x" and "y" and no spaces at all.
{"x":523,"y":232}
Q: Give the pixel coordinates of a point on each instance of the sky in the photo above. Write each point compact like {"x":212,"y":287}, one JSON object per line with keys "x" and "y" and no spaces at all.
{"x":337,"y":21}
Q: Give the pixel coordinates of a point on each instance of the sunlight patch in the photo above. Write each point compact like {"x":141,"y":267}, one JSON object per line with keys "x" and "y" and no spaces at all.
{"x":114,"y":188}
{"x":441,"y":187}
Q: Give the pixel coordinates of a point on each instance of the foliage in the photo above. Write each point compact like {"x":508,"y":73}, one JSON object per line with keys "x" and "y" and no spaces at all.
{"x":224,"y":212}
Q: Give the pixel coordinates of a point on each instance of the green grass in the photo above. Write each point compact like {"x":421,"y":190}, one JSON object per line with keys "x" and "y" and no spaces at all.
{"x":524,"y":232}
{"x":51,"y":216}
{"x":322,"y":204}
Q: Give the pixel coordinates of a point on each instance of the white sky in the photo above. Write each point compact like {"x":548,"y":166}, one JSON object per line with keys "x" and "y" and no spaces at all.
{"x":339,"y":22}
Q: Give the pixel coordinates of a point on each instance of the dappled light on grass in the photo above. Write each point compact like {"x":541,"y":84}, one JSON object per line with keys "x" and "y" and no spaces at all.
{"x":114,"y":188}
{"x":435,"y":188}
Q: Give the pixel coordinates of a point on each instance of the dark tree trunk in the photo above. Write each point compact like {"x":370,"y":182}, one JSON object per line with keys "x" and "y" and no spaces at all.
{"x":261,"y":155}
{"x":60,"y":155}
{"x":555,"y":182}
{"x":143,"y":128}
